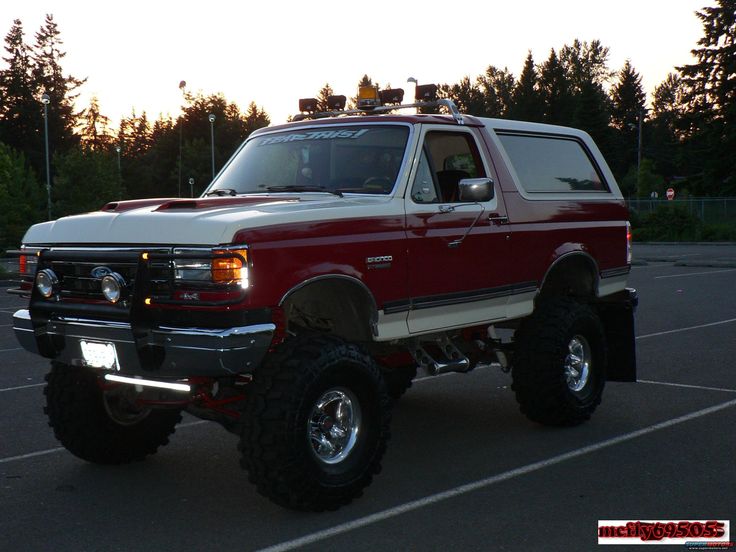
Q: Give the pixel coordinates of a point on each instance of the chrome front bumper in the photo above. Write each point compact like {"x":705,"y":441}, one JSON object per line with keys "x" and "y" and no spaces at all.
{"x":160,"y":351}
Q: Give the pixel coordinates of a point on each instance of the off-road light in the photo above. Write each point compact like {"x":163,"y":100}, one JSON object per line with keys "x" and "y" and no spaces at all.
{"x":308,"y":105}
{"x":336,"y":103}
{"x":392,"y":96}
{"x":426,"y":93}
{"x":46,"y":282}
{"x":368,"y":96}
{"x":112,"y":287}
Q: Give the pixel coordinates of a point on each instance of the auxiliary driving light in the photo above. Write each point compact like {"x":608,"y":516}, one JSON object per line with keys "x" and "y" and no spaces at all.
{"x":112,"y":287}
{"x":46,"y":282}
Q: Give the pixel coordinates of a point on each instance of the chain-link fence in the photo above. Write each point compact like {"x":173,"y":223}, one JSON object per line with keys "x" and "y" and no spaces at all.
{"x":710,"y":210}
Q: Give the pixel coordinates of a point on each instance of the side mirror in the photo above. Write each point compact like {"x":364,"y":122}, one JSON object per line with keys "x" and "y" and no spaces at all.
{"x":475,"y":190}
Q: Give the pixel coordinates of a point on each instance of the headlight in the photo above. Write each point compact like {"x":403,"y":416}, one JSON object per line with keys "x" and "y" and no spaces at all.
{"x":46,"y":282}
{"x":229,"y":267}
{"x":112,"y":287}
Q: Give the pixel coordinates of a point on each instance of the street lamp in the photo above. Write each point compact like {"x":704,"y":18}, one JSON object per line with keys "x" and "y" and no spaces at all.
{"x":632,"y":126}
{"x":182,"y":87}
{"x":212,"y":140}
{"x":416,"y":83}
{"x":45,"y":99}
{"x":191,"y":187}
{"x":117,"y":149}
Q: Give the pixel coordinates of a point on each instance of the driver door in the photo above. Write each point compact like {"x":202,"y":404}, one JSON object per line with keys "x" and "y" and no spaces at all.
{"x":458,"y":251}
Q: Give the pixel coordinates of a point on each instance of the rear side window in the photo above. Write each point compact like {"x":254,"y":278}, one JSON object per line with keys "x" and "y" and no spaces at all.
{"x":552,"y":164}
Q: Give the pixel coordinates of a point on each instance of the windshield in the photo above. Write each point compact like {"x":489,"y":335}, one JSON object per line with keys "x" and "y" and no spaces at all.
{"x":341,"y":159}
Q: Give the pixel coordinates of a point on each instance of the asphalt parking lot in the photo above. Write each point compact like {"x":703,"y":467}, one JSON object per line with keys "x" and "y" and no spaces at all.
{"x":464,"y":470}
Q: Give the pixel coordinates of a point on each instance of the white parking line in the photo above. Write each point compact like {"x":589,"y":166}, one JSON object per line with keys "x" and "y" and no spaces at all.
{"x":22,"y":387}
{"x":11,"y":350}
{"x":59,"y":449}
{"x":694,"y":274}
{"x":719,"y":323}
{"x":688,"y":386}
{"x":487,"y":482}
{"x":31,"y":455}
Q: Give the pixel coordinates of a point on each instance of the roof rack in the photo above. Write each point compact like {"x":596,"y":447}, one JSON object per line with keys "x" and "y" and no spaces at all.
{"x":372,"y":101}
{"x":449,"y":104}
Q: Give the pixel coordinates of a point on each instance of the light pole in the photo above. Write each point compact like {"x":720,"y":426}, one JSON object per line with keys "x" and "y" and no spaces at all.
{"x":212,"y":140}
{"x":416,"y":83}
{"x":638,"y":126}
{"x":191,"y":187}
{"x":182,"y":86}
{"x":45,"y":99}
{"x":120,"y":170}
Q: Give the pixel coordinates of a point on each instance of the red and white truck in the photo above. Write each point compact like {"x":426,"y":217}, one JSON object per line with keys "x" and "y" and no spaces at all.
{"x":330,"y":258}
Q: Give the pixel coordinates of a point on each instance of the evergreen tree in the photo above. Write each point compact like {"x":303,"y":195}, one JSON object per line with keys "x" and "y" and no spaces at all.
{"x":627,"y":106}
{"x":466,"y":95}
{"x":324,"y":93}
{"x":21,"y":113}
{"x":134,"y":139}
{"x":497,"y":86}
{"x":22,"y":200}
{"x":48,"y":77}
{"x":527,"y":103}
{"x":255,"y":118}
{"x":585,"y":62}
{"x":667,"y":126}
{"x":95,"y":128}
{"x":592,"y":115}
{"x":555,"y":91}
{"x":710,"y":95}
{"x":86,"y":180}
{"x":627,"y":98}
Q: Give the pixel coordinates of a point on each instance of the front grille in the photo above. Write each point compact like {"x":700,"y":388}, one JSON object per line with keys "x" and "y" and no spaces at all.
{"x":74,"y":268}
{"x":162,"y":276}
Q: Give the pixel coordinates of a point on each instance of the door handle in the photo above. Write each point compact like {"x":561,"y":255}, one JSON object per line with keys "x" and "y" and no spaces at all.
{"x":498,"y":219}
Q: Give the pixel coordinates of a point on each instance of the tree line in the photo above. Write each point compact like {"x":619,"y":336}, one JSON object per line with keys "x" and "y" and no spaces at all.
{"x":688,"y":132}
{"x":93,"y":161}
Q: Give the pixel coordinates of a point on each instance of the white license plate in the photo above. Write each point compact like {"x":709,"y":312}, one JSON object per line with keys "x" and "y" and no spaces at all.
{"x":99,"y":354}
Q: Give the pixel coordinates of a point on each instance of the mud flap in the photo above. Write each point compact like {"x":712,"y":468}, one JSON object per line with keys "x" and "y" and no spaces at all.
{"x":617,"y":314}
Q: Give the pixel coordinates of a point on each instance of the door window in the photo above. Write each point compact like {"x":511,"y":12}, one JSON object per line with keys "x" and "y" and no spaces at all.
{"x":447,"y":158}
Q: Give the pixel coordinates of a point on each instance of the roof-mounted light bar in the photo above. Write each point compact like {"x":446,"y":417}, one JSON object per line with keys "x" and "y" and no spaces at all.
{"x":371,"y":100}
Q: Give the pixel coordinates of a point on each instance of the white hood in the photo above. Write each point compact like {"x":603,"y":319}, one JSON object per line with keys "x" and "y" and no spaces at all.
{"x":209,"y":221}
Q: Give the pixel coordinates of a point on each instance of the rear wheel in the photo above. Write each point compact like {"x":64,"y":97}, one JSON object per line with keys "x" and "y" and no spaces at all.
{"x":316,"y":424}
{"x":103,"y":425}
{"x":559,"y":363}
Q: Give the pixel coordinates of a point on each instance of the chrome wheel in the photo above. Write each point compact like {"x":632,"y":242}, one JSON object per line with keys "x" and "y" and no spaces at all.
{"x":577,"y":363}
{"x":334,"y":425}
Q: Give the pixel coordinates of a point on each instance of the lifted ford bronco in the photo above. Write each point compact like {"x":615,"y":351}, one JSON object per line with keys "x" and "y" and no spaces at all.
{"x":331,"y":257}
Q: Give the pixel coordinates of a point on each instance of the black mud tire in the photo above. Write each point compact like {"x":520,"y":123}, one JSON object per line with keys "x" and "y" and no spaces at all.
{"x":77,"y":412}
{"x":541,"y":348}
{"x":275,"y":444}
{"x":399,"y":379}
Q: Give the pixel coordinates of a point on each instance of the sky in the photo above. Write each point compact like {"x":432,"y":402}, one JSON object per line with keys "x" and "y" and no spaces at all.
{"x":135,"y":53}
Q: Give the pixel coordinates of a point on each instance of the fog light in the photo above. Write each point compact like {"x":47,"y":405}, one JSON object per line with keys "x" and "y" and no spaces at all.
{"x":112,"y":287}
{"x":46,"y":282}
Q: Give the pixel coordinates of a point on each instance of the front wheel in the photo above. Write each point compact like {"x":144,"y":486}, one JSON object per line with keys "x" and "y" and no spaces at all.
{"x":316,"y":424}
{"x":559,"y":363}
{"x":103,"y":425}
